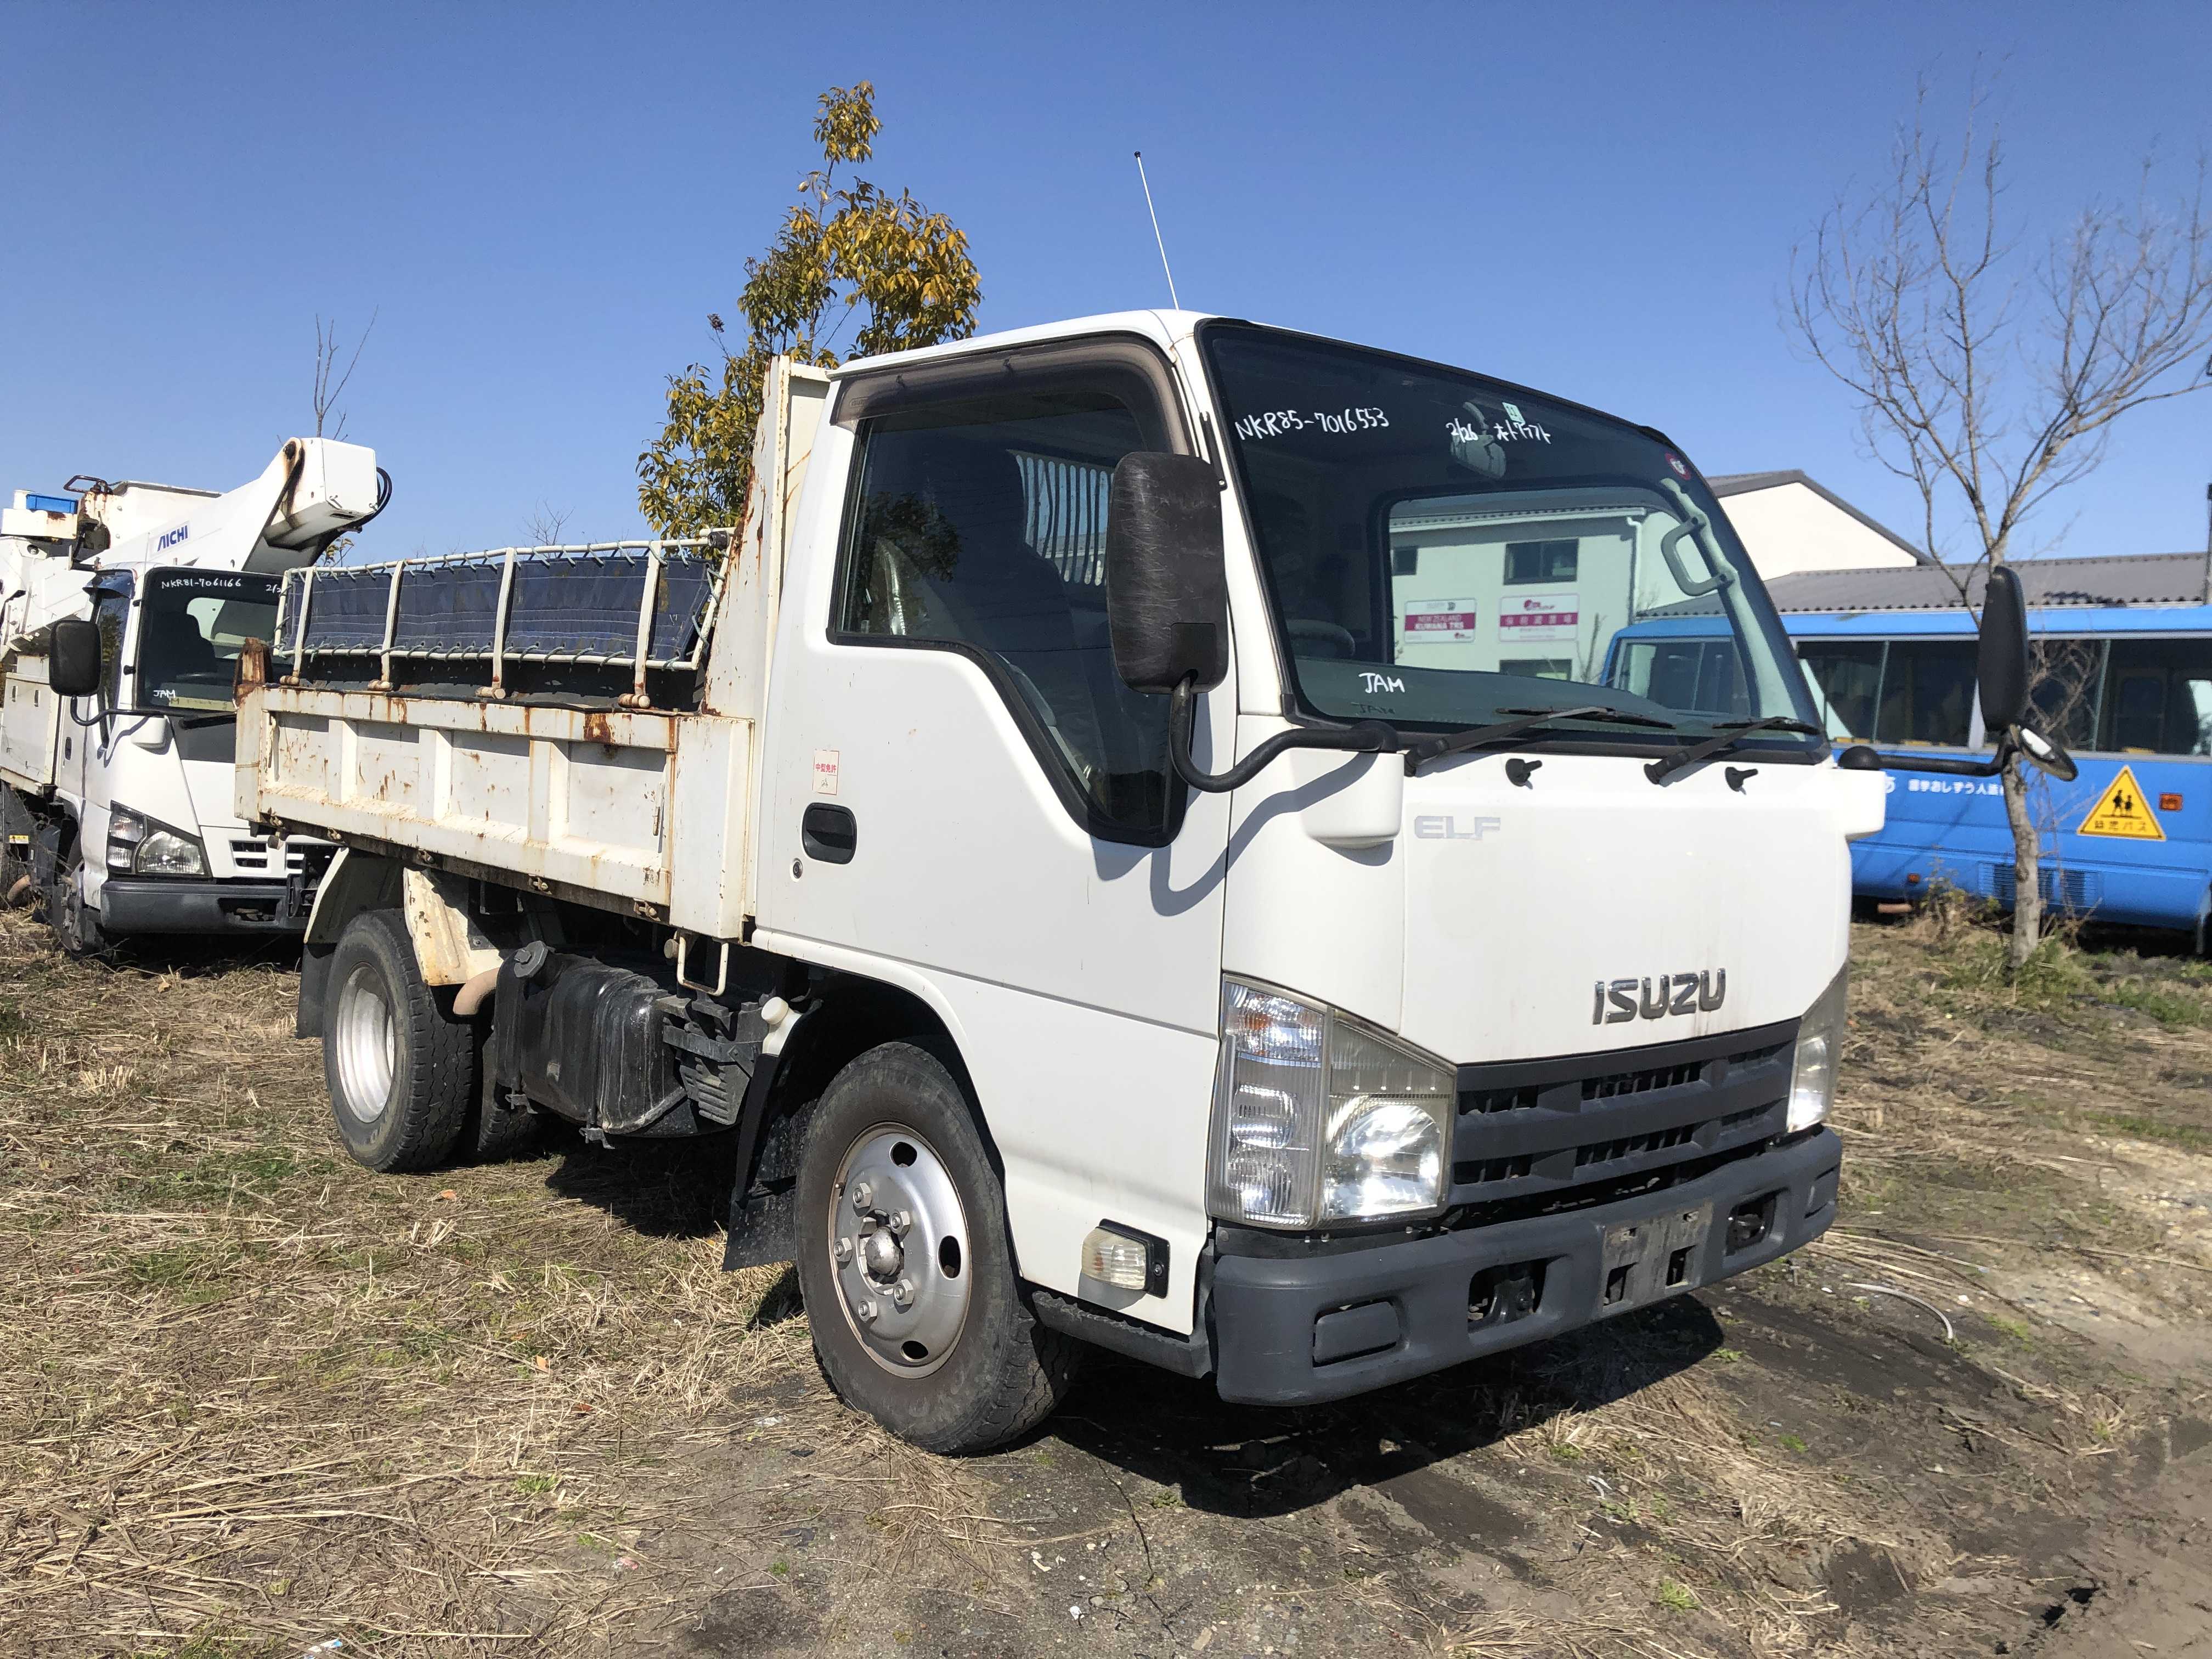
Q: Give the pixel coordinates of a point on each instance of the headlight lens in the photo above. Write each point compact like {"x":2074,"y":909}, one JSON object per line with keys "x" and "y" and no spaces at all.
{"x":125,"y":829}
{"x":138,"y":846}
{"x":1820,"y":1041}
{"x":165,"y":852}
{"x":1319,"y":1119}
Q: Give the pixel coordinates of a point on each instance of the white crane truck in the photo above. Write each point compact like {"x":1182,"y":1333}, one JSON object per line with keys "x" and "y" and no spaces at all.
{"x":123,"y":609}
{"x":1147,"y":839}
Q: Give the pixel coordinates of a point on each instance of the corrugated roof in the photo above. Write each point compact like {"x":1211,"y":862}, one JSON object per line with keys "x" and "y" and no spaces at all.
{"x":1743,"y":484}
{"x":2123,"y":579}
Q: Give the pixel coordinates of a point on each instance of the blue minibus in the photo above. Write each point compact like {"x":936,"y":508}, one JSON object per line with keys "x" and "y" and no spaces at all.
{"x":2126,"y":688}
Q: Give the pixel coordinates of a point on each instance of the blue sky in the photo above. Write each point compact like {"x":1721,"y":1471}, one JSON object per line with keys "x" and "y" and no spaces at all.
{"x":540,"y":204}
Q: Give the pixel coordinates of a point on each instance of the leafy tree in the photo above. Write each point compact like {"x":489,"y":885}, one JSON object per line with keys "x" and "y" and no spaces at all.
{"x":848,"y":253}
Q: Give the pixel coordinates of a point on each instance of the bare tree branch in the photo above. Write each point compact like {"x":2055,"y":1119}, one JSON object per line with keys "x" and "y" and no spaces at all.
{"x":1914,"y":297}
{"x":544,"y":527}
{"x":328,"y":392}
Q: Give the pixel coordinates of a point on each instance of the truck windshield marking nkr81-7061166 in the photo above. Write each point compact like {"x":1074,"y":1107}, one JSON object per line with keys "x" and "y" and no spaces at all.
{"x":1455,"y":560}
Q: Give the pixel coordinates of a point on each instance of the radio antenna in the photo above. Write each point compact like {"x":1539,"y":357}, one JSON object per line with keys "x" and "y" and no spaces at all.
{"x":1156,"y":237}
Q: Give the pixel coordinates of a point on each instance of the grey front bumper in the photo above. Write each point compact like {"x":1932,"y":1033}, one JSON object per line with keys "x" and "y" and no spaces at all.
{"x":1402,"y":1310}
{"x":184,"y":905}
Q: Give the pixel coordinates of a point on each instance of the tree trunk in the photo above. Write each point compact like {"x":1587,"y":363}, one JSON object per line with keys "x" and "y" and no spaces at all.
{"x":2027,"y":877}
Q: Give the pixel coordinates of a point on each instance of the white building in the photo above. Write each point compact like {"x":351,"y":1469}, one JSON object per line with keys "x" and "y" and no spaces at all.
{"x":1789,"y":523}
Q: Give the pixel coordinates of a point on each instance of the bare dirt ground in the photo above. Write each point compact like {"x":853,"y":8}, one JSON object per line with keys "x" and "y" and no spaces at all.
{"x":256,"y":1399}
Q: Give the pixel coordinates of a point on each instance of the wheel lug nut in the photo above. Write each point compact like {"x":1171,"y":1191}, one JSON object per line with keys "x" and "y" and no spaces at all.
{"x":901,"y":1221}
{"x":865,"y":1312}
{"x":868,"y":1226}
{"x":864,"y":1196}
{"x":842,"y":1249}
{"x":903,"y":1293}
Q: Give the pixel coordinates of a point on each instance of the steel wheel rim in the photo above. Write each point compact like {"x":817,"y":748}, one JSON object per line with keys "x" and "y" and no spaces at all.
{"x":367,"y":1039}
{"x":898,"y":1238}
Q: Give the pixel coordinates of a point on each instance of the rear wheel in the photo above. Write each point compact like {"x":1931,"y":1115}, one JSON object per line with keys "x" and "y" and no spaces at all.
{"x":906,"y":1266}
{"x":401,"y":1070}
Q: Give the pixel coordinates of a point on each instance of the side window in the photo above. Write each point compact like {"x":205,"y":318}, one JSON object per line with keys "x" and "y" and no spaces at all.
{"x":981,"y":525}
{"x":1844,"y":678}
{"x":110,"y":615}
{"x":1927,"y":693}
{"x":1541,"y":562}
{"x":2158,"y":698}
{"x":2063,"y":676}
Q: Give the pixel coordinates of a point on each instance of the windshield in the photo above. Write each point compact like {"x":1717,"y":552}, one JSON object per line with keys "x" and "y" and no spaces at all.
{"x":1442,"y":549}
{"x":195,"y":625}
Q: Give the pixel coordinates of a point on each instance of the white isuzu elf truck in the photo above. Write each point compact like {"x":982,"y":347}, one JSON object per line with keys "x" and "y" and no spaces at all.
{"x":1141,"y":837}
{"x":123,"y":609}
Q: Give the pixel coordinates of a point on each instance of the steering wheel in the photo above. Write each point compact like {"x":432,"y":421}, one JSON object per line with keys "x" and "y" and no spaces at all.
{"x":1305,"y":628}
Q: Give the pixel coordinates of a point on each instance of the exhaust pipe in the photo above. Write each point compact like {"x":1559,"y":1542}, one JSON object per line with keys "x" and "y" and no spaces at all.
{"x":471,"y":996}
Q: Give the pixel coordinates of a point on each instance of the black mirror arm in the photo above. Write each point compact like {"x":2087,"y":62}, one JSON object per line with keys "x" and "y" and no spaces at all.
{"x":1860,"y":758}
{"x":1368,"y":738}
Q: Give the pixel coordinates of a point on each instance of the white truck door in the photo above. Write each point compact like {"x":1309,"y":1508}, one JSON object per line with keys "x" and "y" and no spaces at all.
{"x":963,"y":799}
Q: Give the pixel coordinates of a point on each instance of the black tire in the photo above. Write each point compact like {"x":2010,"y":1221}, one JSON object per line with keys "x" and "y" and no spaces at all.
{"x":1003,"y":1373}
{"x":400,"y":1069}
{"x":77,"y":929}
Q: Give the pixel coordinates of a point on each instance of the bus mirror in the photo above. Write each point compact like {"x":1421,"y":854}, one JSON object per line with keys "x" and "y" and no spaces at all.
{"x":1167,"y":591}
{"x":2002,"y":667}
{"x":73,"y":658}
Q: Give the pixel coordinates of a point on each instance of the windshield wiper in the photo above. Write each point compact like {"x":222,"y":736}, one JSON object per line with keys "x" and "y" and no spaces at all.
{"x":1660,"y":770}
{"x":1418,"y":755}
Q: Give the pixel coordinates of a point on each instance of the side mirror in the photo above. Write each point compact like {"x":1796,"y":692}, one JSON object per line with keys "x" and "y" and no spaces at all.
{"x":2052,"y":757}
{"x":73,"y":658}
{"x":2001,"y":668}
{"x":1167,"y":591}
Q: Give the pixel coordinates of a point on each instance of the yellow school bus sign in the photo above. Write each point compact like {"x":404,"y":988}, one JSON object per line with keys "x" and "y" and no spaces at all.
{"x":2121,"y":811}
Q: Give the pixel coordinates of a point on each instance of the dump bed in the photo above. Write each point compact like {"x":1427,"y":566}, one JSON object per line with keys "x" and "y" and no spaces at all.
{"x":539,"y":716}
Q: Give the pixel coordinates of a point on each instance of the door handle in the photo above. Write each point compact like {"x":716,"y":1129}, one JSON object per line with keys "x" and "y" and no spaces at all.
{"x":829,"y":833}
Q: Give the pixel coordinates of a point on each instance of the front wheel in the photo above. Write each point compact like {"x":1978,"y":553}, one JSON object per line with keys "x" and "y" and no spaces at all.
{"x":76,"y":925}
{"x":906,"y":1266}
{"x":401,"y":1070}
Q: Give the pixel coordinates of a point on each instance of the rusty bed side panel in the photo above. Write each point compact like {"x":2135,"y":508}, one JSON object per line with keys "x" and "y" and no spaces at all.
{"x":572,"y":796}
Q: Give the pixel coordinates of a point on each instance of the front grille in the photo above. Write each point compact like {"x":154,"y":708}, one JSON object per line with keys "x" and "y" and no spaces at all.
{"x":254,"y":855}
{"x":1571,"y":1129}
{"x":1639,"y":1082}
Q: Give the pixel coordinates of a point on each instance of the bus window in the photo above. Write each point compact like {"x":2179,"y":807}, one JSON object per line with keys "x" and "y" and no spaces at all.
{"x":1927,"y":693}
{"x":2158,"y":698}
{"x":1698,"y":676}
{"x":1844,"y":679}
{"x":2062,"y":696}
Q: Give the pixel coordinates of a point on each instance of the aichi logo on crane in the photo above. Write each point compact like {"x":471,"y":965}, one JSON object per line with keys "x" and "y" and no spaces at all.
{"x":171,"y":538}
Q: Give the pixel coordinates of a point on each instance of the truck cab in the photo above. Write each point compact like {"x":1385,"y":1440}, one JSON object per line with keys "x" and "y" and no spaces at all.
{"x":119,"y":793}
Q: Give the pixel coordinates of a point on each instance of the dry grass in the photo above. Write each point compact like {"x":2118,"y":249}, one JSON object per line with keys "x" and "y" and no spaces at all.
{"x":258,"y":1398}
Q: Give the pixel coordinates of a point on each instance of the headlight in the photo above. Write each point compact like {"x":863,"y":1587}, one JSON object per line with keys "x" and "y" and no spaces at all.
{"x":137,"y":845}
{"x":1820,"y":1041}
{"x":1319,"y":1119}
{"x":165,"y":852}
{"x":125,"y":829}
